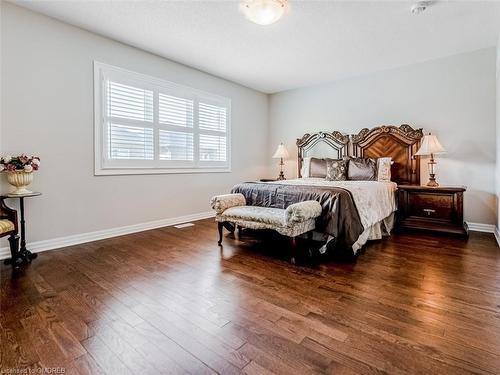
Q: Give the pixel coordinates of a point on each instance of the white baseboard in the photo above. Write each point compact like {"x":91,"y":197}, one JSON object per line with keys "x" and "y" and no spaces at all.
{"x":478,"y":227}
{"x":55,"y":243}
{"x":497,"y":236}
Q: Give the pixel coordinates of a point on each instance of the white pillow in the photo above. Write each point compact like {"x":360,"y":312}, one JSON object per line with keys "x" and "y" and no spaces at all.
{"x":384,"y":169}
{"x":306,"y":167}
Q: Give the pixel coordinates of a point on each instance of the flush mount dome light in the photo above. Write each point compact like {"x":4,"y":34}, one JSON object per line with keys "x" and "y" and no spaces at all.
{"x":264,"y":12}
{"x":419,"y":7}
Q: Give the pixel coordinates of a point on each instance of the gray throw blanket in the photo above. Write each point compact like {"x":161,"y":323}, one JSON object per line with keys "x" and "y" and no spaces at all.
{"x":340,"y":217}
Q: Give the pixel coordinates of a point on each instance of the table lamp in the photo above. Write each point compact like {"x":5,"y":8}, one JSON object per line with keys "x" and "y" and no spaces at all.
{"x":431,"y":146}
{"x":281,"y":153}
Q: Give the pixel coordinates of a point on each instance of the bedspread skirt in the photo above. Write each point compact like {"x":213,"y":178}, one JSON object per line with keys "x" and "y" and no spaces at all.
{"x":339,"y":218}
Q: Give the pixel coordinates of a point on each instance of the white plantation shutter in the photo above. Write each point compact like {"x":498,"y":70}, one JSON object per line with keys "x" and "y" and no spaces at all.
{"x":176,"y":145}
{"x":145,"y":125}
{"x":212,"y":128}
{"x":176,"y":115}
{"x":212,"y":117}
{"x":130,"y":142}
{"x":129,"y":102}
{"x":176,"y":111}
{"x":129,"y":122}
{"x":212,"y":147}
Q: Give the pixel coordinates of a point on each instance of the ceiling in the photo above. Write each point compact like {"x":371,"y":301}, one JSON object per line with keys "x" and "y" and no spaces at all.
{"x":315,"y":42}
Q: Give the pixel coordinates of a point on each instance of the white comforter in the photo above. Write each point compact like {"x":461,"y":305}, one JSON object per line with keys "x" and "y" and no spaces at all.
{"x":374,"y":200}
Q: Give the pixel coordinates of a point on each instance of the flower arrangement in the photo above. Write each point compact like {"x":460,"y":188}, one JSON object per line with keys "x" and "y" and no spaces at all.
{"x":19,"y":163}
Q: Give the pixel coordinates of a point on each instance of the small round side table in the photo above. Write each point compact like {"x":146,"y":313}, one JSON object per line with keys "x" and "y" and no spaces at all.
{"x":23,"y":253}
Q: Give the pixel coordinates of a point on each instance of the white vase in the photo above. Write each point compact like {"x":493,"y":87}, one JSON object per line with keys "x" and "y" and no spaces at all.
{"x":20,"y":180}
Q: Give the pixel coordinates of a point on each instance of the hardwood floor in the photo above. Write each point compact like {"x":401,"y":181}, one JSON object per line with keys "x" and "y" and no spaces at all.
{"x":170,"y":301}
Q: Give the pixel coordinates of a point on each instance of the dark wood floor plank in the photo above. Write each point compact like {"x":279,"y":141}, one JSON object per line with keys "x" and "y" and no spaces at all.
{"x":67,"y":334}
{"x":253,"y":368}
{"x":14,"y":351}
{"x":165,"y":356}
{"x":43,"y":342}
{"x":201,"y":346}
{"x":268,"y":361}
{"x":170,"y":301}
{"x":131,"y":358}
{"x":179,"y":355}
{"x":297,"y":357}
{"x":104,"y":357}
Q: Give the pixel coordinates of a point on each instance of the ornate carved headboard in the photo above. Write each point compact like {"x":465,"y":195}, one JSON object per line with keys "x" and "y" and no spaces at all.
{"x":399,"y":142}
{"x":322,"y":144}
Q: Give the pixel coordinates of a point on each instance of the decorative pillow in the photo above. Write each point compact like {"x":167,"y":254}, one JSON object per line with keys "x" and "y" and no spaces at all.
{"x":362,"y":169}
{"x":336,"y":170}
{"x":317,"y":168}
{"x":384,"y":169}
{"x":306,"y":165}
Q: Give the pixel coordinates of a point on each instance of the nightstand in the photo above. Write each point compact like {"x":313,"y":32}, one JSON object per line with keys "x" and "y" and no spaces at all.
{"x":436,"y":209}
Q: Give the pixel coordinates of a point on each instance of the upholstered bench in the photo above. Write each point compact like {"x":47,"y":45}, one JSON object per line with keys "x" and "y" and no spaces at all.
{"x":231,"y":210}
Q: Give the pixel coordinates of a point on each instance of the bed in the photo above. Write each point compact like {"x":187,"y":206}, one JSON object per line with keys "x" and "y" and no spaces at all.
{"x":353,"y":211}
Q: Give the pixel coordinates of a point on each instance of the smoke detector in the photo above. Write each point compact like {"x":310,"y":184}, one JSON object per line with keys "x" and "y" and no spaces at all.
{"x":419,"y":7}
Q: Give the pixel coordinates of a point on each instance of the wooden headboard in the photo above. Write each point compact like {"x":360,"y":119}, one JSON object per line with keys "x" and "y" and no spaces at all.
{"x":399,"y":142}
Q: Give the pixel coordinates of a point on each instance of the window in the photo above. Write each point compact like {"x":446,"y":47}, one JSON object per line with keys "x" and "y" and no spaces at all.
{"x":146,"y":125}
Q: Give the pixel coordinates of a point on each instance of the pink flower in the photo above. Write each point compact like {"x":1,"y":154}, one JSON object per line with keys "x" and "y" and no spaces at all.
{"x":23,"y":159}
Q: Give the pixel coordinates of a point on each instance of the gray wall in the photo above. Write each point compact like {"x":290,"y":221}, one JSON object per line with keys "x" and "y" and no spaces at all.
{"x":453,"y":98}
{"x":47,"y":102}
{"x":497,"y":172}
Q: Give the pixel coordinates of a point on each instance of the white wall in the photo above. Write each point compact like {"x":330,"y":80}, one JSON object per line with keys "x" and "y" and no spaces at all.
{"x":453,"y":98}
{"x":497,"y":173}
{"x":47,"y":101}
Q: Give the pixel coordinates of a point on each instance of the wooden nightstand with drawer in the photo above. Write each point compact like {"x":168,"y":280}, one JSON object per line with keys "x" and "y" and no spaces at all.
{"x":436,"y":209}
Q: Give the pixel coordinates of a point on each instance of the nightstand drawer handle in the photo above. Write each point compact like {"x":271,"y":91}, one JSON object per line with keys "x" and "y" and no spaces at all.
{"x":429,"y":211}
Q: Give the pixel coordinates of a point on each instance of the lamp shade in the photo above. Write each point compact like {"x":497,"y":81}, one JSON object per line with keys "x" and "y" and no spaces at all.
{"x":281,"y":152}
{"x":430,"y":145}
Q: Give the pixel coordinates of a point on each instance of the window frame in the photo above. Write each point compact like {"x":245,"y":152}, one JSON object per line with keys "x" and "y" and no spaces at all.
{"x":103,"y":165}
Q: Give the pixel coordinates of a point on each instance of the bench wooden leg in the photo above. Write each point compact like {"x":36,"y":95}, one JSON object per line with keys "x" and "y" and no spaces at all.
{"x":228,"y":226}
{"x":309,"y":242}
{"x":220,"y":227}
{"x":294,"y":249}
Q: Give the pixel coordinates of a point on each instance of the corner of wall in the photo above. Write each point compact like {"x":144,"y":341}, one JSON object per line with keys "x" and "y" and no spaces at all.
{"x":497,"y":165}
{"x":268,"y":150}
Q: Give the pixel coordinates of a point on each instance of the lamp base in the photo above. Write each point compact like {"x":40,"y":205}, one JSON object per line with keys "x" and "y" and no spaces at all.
{"x":281,"y":175}
{"x":432,"y":181}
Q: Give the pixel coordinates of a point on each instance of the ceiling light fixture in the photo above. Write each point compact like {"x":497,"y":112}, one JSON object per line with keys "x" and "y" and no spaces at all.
{"x":419,"y":7}
{"x":264,"y":12}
